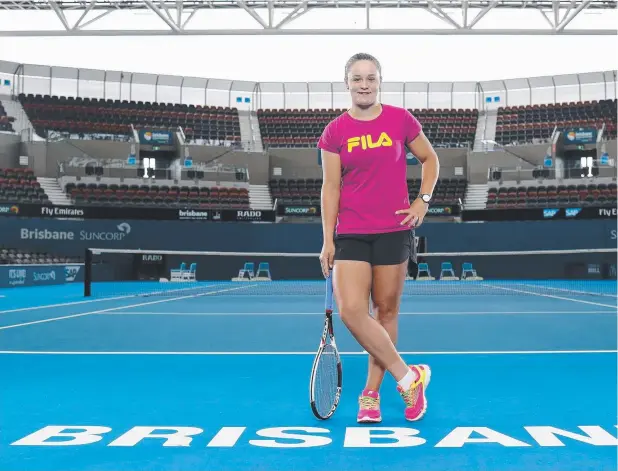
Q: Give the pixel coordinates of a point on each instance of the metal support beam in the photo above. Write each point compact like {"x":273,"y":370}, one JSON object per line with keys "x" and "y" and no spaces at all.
{"x":315,"y":32}
{"x":558,"y":14}
{"x":253,"y":14}
{"x":54,"y":6}
{"x":482,"y":13}
{"x":581,"y":7}
{"x":166,"y":20}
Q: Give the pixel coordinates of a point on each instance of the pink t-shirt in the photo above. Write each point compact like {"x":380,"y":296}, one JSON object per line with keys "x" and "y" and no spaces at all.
{"x":373,"y":169}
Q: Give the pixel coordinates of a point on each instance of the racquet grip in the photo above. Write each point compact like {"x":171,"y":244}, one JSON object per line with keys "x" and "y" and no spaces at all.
{"x":329,"y":292}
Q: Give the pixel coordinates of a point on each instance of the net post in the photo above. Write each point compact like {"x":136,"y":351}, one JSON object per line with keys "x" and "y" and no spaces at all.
{"x":88,"y":273}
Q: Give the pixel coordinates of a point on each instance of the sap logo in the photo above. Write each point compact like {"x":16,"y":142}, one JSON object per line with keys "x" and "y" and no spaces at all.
{"x":70,"y":272}
{"x":311,"y":437}
{"x":550,"y":213}
{"x":613,"y":234}
{"x":366,"y":142}
{"x":572,"y":212}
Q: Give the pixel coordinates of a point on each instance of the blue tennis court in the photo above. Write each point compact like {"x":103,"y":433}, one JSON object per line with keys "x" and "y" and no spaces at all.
{"x":216,"y":378}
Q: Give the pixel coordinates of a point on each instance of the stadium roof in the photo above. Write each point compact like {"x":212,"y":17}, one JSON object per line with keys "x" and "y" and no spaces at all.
{"x":280,"y":17}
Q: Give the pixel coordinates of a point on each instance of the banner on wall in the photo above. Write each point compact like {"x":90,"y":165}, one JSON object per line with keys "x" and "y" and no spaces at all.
{"x":315,"y":211}
{"x":136,"y":213}
{"x":12,"y":276}
{"x":156,"y":138}
{"x":575,"y":136}
{"x":540,"y":214}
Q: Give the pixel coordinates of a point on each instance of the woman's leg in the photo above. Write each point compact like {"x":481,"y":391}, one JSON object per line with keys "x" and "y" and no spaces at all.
{"x":352,"y":284}
{"x":386,"y":290}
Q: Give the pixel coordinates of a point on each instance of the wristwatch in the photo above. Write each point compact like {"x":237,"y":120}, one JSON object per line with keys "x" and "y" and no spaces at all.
{"x":425,"y":197}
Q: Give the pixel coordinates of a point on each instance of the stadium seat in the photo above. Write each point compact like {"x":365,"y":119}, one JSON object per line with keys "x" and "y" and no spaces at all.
{"x":306,"y":191}
{"x":524,"y":124}
{"x":6,"y":122}
{"x":12,"y":256}
{"x":559,"y":196}
{"x":302,"y":128}
{"x":19,"y":185}
{"x":104,"y":194}
{"x":76,"y":115}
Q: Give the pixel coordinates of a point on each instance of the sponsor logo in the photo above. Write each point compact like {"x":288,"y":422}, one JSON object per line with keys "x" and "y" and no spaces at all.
{"x":572,"y":212}
{"x":152,"y":258}
{"x":313,"y":437}
{"x":44,"y":276}
{"x":249,"y":215}
{"x":550,"y":213}
{"x":17,"y":277}
{"x":70,"y":272}
{"x":613,"y":234}
{"x":9,"y":209}
{"x":440,"y":210}
{"x":367,"y":142}
{"x":60,"y":211}
{"x":300,"y":210}
{"x":123,"y":230}
{"x":192,"y":214}
{"x":608,"y":212}
{"x":594,"y":269}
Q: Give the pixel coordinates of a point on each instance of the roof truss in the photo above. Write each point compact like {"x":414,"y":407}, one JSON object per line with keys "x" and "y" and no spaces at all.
{"x":176,"y":16}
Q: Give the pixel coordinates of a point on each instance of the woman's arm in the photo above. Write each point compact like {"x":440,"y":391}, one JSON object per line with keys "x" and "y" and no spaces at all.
{"x":331,"y":187}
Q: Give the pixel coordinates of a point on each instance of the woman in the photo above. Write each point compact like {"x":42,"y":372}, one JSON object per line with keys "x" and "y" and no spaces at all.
{"x":368,"y":223}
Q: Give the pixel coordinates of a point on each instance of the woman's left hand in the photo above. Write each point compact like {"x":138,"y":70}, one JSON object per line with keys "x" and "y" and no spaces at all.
{"x":415,"y":213}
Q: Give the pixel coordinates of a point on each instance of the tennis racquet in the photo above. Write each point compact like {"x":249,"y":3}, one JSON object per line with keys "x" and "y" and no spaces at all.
{"x":326,"y":373}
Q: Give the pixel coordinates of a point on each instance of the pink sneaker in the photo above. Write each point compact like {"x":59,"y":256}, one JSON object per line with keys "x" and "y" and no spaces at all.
{"x":415,"y":399}
{"x":369,"y":407}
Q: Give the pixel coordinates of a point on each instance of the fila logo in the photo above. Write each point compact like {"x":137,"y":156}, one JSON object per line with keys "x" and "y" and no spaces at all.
{"x":366,"y":142}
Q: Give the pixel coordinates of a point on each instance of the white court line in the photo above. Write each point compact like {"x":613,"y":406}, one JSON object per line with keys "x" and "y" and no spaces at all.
{"x":121,"y":307}
{"x":318,"y":313}
{"x":572,"y":291}
{"x":492,"y":352}
{"x":553,"y":296}
{"x":97,"y":300}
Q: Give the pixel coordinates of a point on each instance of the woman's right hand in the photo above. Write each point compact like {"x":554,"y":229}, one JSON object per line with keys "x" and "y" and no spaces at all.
{"x":327,"y":257}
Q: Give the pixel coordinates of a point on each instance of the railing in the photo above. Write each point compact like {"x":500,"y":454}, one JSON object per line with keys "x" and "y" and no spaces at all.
{"x":73,"y":82}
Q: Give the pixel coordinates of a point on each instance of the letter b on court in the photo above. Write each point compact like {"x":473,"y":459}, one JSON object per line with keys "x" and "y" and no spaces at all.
{"x":63,"y":435}
{"x":395,"y":437}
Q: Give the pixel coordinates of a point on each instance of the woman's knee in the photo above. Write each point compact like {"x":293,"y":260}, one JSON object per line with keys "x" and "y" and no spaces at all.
{"x":351,"y":310}
{"x":386,"y":308}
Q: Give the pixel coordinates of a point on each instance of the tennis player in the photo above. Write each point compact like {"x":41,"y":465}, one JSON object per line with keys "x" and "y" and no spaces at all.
{"x":368,"y":226}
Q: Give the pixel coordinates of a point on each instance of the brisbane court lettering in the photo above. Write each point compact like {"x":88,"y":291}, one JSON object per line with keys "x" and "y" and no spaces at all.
{"x":310,"y":437}
{"x":367,"y":142}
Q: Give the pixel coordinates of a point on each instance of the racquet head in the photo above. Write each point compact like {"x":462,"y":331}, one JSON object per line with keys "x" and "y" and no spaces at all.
{"x":326,"y":373}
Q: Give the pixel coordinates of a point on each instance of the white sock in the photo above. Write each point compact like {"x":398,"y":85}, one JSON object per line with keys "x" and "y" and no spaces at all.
{"x":408,"y":379}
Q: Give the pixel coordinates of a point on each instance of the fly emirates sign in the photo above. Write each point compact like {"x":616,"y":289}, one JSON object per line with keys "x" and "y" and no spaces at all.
{"x":308,"y":437}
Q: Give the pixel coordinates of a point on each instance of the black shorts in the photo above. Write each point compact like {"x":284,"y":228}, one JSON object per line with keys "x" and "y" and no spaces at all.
{"x":391,"y":248}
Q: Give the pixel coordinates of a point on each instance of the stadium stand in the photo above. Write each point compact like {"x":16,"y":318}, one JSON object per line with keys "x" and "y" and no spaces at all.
{"x":302,"y":128}
{"x":5,"y":120}
{"x":77,"y":115}
{"x":12,"y":256}
{"x":306,"y":191}
{"x":523,"y":124}
{"x":540,"y":196}
{"x":157,"y":195}
{"x":19,"y":185}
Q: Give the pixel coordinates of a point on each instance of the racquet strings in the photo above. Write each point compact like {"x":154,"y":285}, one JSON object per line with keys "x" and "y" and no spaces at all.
{"x":326,"y":381}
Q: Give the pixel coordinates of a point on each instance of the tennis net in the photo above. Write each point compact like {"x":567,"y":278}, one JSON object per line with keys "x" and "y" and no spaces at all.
{"x":115,"y":272}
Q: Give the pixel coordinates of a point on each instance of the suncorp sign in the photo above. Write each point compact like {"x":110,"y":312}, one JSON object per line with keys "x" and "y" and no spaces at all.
{"x":122,"y":230}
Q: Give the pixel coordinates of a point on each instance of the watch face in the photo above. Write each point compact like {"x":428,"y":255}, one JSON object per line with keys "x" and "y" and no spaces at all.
{"x":426,"y":198}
